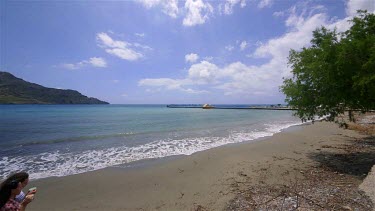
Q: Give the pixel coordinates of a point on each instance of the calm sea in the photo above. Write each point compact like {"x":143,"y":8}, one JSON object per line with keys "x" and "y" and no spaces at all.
{"x":59,"y":140}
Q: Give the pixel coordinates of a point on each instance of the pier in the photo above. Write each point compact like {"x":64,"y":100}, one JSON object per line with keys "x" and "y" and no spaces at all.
{"x":271,"y":107}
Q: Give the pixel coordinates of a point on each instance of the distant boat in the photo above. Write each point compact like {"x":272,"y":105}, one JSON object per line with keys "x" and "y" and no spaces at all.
{"x":207,"y":106}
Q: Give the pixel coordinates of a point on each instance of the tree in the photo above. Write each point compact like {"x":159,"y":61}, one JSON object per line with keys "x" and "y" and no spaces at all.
{"x":336,"y":73}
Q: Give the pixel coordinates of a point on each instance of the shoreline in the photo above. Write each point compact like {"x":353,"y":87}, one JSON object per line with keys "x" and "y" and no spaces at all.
{"x":255,"y":137}
{"x":157,"y":161}
{"x":200,"y":180}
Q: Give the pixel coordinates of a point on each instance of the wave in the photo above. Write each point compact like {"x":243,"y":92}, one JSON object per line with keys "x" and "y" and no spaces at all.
{"x":61,"y":164}
{"x":77,"y":139}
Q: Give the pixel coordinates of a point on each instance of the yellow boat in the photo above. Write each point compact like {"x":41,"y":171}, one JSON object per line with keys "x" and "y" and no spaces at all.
{"x":207,"y":106}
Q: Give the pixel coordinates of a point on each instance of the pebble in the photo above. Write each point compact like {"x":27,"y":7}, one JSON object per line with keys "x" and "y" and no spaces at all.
{"x":347,"y":208}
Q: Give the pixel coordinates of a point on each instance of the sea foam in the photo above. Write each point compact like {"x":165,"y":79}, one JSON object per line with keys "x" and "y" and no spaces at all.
{"x":57,"y":163}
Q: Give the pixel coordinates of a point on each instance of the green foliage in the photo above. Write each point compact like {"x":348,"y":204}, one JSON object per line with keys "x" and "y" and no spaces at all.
{"x":336,"y":73}
{"x":17,"y":91}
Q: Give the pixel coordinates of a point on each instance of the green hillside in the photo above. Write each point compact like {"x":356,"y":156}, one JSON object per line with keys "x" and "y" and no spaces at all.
{"x":14,"y":90}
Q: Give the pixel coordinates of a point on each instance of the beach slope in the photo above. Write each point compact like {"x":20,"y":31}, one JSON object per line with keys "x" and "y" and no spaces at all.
{"x":209,"y":180}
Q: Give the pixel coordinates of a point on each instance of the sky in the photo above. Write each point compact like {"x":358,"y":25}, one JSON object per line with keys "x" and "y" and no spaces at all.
{"x":164,"y":52}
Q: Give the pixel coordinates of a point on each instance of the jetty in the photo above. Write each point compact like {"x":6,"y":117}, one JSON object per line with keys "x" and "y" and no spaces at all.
{"x":208,"y":106}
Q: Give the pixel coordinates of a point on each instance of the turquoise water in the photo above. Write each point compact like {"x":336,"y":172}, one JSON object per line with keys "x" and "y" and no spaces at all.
{"x":59,"y":140}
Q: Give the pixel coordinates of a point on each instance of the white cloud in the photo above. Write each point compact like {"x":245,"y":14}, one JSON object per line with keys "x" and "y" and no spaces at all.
{"x":97,"y":62}
{"x":169,"y":84}
{"x":243,"y":3}
{"x":93,"y":61}
{"x":243,"y":45}
{"x":145,"y":47}
{"x":197,"y":12}
{"x":124,"y":95}
{"x":265,"y":3}
{"x":169,"y":7}
{"x":278,"y":14}
{"x":301,"y":25}
{"x":229,"y":47}
{"x":340,"y":25}
{"x":107,"y":41}
{"x":208,"y":58}
{"x":227,"y":8}
{"x":121,"y":49}
{"x":115,"y":81}
{"x":203,"y":73}
{"x":71,"y":66}
{"x":191,"y":57}
{"x":140,"y":34}
{"x":258,"y":43}
{"x":242,"y":79}
{"x":192,"y":91}
{"x":353,"y":5}
{"x":126,"y":54}
{"x":237,"y":78}
{"x":298,"y":35}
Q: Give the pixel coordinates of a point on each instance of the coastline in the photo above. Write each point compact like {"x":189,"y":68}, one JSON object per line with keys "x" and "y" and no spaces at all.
{"x":105,"y":140}
{"x":203,"y":180}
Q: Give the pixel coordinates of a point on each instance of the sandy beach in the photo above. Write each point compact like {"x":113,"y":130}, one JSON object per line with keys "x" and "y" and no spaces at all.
{"x":209,"y":180}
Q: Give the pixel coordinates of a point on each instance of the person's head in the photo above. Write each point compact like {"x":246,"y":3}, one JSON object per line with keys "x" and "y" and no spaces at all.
{"x":22,"y":177}
{"x":10,"y":187}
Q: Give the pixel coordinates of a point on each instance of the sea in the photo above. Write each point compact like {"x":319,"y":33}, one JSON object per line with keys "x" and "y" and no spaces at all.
{"x":60,"y":140}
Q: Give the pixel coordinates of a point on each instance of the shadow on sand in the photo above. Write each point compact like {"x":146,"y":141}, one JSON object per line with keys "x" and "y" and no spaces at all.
{"x":354,"y":159}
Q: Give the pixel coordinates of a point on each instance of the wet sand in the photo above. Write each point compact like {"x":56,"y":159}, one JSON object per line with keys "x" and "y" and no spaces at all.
{"x":201,"y":180}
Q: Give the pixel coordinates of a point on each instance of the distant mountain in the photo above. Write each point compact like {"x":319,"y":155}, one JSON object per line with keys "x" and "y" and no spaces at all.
{"x":14,"y":90}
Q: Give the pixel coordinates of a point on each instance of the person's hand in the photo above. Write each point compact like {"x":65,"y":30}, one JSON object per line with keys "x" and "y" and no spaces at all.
{"x":28,"y":198}
{"x":31,"y":192}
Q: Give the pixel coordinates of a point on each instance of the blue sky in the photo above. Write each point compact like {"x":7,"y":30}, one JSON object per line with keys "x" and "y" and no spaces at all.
{"x":158,"y":51}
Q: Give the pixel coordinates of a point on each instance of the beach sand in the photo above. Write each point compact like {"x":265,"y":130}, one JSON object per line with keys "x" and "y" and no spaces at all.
{"x":202,"y":181}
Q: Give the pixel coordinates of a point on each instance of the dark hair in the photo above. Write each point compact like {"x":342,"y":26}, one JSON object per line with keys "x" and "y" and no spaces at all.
{"x":20,"y":176}
{"x":9,"y":184}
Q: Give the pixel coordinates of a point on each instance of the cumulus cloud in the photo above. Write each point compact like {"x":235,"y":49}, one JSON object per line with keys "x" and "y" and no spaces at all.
{"x":237,"y":78}
{"x":197,"y":12}
{"x":169,"y":84}
{"x":169,"y":7}
{"x":93,"y":61}
{"x":229,"y":48}
{"x":299,"y":34}
{"x":121,"y":49}
{"x":278,"y":14}
{"x":140,"y":34}
{"x":208,"y":58}
{"x":203,"y":73}
{"x":72,"y":66}
{"x":243,"y":45}
{"x":301,"y":23}
{"x":107,"y":41}
{"x":353,"y":5}
{"x":227,"y":7}
{"x":191,"y":57}
{"x":126,"y":54}
{"x":145,"y":47}
{"x":243,"y":3}
{"x":265,"y":3}
{"x":97,"y":62}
